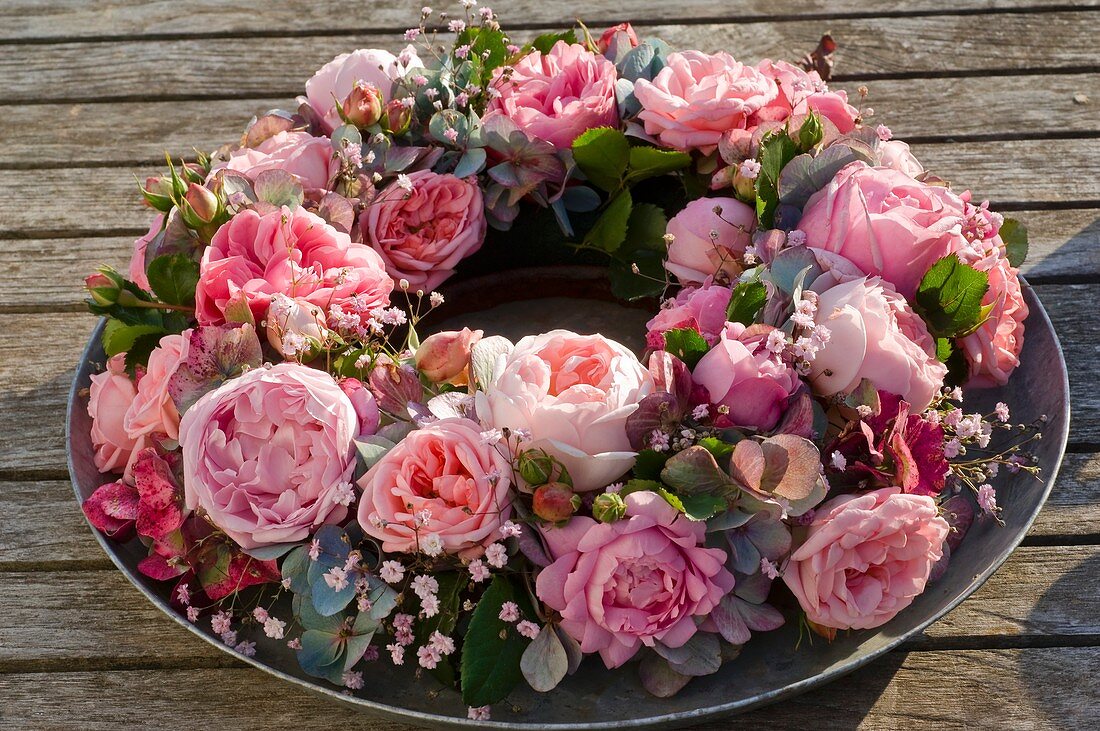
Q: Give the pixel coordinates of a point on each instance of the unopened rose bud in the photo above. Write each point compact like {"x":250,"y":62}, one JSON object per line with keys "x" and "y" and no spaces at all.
{"x":394,"y":386}
{"x":445,"y":357}
{"x":157,"y":193}
{"x":295,"y":327}
{"x":555,"y":502}
{"x":363,"y":106}
{"x":608,"y":507}
{"x":104,"y":286}
{"x":366,"y":408}
{"x":397,"y":118}
{"x":535,"y":467}
{"x":617,"y":40}
{"x":200,"y":206}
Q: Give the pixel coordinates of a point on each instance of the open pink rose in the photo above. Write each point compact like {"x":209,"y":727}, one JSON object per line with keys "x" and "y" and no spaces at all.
{"x":572,"y":393}
{"x":445,"y":481}
{"x":637,"y":581}
{"x":295,"y":253}
{"x":741,"y":374}
{"x":702,"y":309}
{"x":865,"y":557}
{"x":874,"y":334}
{"x":993,"y":350}
{"x":137,"y":260}
{"x":706,"y":244}
{"x":110,"y":395}
{"x":421,"y":234}
{"x":896,"y":155}
{"x":310,"y":159}
{"x":556,"y":96}
{"x":269,"y":455}
{"x":333,"y":82}
{"x":802,"y":92}
{"x":153,"y":411}
{"x":885,"y":223}
{"x":697,"y":98}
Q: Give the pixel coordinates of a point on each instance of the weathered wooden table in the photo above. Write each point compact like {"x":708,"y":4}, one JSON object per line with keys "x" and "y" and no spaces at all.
{"x":997,"y":95}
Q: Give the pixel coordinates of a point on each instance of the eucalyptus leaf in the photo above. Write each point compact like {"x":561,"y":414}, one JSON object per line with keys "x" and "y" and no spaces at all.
{"x":472,"y":162}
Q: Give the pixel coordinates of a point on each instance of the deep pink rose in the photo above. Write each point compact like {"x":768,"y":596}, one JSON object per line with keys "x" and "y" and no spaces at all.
{"x":448,"y":469}
{"x":741,"y":374}
{"x":310,"y":159}
{"x":110,"y":395}
{"x":423,"y":233}
{"x":802,"y":92}
{"x":137,"y":260}
{"x":865,"y":557}
{"x":993,"y":350}
{"x":637,"y":581}
{"x":874,"y":334}
{"x":153,"y":411}
{"x":288,"y":252}
{"x":702,"y":309}
{"x":885,"y":223}
{"x":706,"y":244}
{"x":558,"y":95}
{"x":333,"y":82}
{"x":896,"y":155}
{"x":573,"y":394}
{"x":697,"y":98}
{"x":269,"y":456}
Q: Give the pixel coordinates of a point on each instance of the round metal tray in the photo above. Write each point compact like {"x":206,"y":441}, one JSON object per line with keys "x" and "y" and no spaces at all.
{"x":770,"y":667}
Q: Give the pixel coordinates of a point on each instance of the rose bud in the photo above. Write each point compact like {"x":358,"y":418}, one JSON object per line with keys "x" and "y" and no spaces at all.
{"x":617,"y":39}
{"x":445,"y":357}
{"x":535,"y":467}
{"x":158,"y":194}
{"x":200,"y":206}
{"x":398,"y":117}
{"x":104,"y":286}
{"x":365,"y":405}
{"x":555,"y":502}
{"x":363,"y":106}
{"x":394,"y":386}
{"x":608,"y":507}
{"x":295,"y":327}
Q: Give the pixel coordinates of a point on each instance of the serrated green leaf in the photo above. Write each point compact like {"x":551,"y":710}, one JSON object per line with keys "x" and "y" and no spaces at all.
{"x":1014,"y":234}
{"x":173,"y":279}
{"x":702,"y":507}
{"x":646,"y":228}
{"x":686,"y":344}
{"x":139,"y":350}
{"x":949,"y":297}
{"x":747,"y":300}
{"x":492,"y":649}
{"x":610,"y":230}
{"x":546,"y":41}
{"x":602,"y":154}
{"x":776,"y":150}
{"x":119,"y":337}
{"x":648,"y":464}
{"x":650,"y":162}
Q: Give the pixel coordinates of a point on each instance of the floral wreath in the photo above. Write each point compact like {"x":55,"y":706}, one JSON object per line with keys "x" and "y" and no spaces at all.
{"x":790,"y":447}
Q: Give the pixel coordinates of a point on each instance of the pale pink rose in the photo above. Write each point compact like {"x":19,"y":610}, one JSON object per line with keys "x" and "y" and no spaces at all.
{"x":573,"y":394}
{"x":296,"y":328}
{"x":885,"y":223}
{"x":444,"y":357}
{"x":310,"y":159}
{"x":865,"y":557}
{"x":896,"y":155}
{"x":422,"y":234}
{"x":556,"y":96}
{"x":702,"y":309}
{"x":110,"y":395}
{"x":874,"y":334}
{"x":295,"y":253}
{"x":802,"y":92}
{"x":153,"y":411}
{"x":333,"y":82}
{"x":637,"y":581}
{"x":741,"y":374}
{"x":993,"y":350}
{"x":706,"y":244}
{"x":697,"y":98}
{"x":137,"y":260}
{"x":267,"y":455}
{"x":446,"y":472}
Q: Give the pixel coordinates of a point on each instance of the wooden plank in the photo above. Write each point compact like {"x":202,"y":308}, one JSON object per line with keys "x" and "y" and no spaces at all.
{"x":190,"y":68}
{"x":27,"y":19}
{"x":1028,"y":689}
{"x":141,"y":132}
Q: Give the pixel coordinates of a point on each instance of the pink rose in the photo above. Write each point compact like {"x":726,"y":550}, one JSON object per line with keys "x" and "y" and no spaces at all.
{"x":137,"y":260}
{"x":743,"y":375}
{"x":706,"y":244}
{"x":617,"y":39}
{"x":153,"y":411}
{"x":573,"y":394}
{"x":702,"y":309}
{"x":885,"y":223}
{"x":269,"y":456}
{"x":993,"y":350}
{"x":332,"y":83}
{"x":445,"y":357}
{"x":310,"y":159}
{"x":874,"y":334}
{"x":896,"y":155}
{"x":865,"y":557}
{"x":423,"y":233}
{"x":110,"y":395}
{"x":637,"y":581}
{"x":287,"y":252}
{"x":443,"y":480}
{"x":802,"y":92}
{"x":558,"y":95}
{"x":697,"y":98}
{"x":366,"y":407}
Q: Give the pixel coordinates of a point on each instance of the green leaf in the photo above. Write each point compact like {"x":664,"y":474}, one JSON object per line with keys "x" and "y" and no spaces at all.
{"x":450,"y":589}
{"x":694,"y":471}
{"x":958,"y":369}
{"x":646,"y":228}
{"x":173,"y":278}
{"x":492,"y":649}
{"x":1014,"y":234}
{"x":602,"y":154}
{"x":721,"y":450}
{"x":640,"y":486}
{"x":650,"y":162}
{"x":650,"y":280}
{"x":119,"y":337}
{"x":702,"y":507}
{"x":139,"y":350}
{"x":776,"y":150}
{"x":546,"y":41}
{"x":610,"y":230}
{"x":686,"y":344}
{"x":648,"y":464}
{"x":949,"y":297}
{"x":811,"y":132}
{"x":746,"y":302}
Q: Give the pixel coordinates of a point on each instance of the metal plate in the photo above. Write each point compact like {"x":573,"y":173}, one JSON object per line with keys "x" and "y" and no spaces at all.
{"x":770,"y":668}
